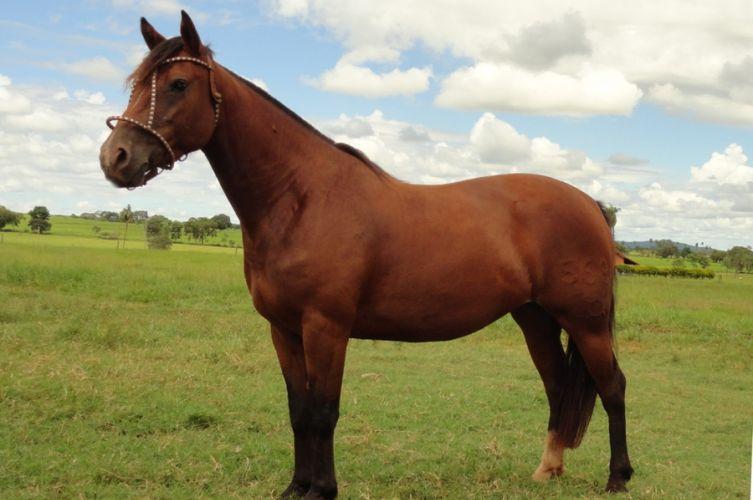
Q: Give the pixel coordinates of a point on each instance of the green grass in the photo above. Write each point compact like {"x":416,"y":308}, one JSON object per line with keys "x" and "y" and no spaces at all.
{"x":134,"y":373}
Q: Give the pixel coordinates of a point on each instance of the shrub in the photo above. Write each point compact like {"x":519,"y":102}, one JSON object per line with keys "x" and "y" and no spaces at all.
{"x":160,"y":241}
{"x":674,"y":272}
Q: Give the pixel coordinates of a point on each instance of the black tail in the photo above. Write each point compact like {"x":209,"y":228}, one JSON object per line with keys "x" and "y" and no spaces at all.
{"x":577,"y":395}
{"x":577,"y":398}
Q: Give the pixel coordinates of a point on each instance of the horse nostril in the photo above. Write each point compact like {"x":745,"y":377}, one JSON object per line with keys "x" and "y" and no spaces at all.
{"x":122,"y":158}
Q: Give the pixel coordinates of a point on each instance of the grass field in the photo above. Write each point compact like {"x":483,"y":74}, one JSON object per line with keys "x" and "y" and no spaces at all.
{"x":135,"y":373}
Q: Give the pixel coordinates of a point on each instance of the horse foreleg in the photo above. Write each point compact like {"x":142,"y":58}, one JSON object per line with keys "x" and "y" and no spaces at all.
{"x":542,"y":334}
{"x":324,"y":342}
{"x":289,"y":349}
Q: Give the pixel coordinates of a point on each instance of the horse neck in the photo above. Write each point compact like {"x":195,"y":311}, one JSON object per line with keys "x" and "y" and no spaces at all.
{"x":265,"y":159}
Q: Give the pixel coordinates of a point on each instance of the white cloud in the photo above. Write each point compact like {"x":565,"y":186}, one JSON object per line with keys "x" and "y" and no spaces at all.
{"x":541,"y":45}
{"x":729,"y":167}
{"x":12,"y":102}
{"x":608,"y":194}
{"x":99,"y":69}
{"x":496,"y":141}
{"x":260,"y":83}
{"x":90,"y":97}
{"x":39,"y":120}
{"x":703,"y":106}
{"x":678,"y":201}
{"x":581,"y":57}
{"x":351,"y":79}
{"x":504,"y":87}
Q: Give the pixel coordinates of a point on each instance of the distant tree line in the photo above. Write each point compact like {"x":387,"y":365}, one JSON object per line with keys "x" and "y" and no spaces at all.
{"x":161,"y":231}
{"x":738,"y":259}
{"x":136,"y":216}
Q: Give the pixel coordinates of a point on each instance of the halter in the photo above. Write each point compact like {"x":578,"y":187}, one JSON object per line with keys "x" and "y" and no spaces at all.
{"x":148,"y":127}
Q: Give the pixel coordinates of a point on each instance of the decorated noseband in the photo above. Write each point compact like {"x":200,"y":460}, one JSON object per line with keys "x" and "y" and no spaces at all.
{"x":148,"y":126}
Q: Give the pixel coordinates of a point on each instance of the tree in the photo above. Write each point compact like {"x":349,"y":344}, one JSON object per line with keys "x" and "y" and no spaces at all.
{"x":39,"y":219}
{"x":156,"y":224}
{"x":158,"y":232}
{"x":107,"y":215}
{"x":610,"y":213}
{"x":666,"y":248}
{"x":176,"y":228}
{"x":739,"y":258}
{"x":126,"y":215}
{"x":686,"y":251}
{"x":717,"y":255}
{"x":699,"y":259}
{"x":8,"y":217}
{"x":222,"y":221}
{"x":199,"y":228}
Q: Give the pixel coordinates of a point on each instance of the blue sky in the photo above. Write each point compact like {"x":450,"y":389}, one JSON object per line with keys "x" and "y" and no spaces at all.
{"x":622,"y":102}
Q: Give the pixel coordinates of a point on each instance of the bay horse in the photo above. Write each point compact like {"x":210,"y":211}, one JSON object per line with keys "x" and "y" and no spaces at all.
{"x":335,"y":248}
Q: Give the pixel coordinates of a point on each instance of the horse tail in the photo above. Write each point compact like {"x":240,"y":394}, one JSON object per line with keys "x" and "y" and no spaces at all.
{"x":578,"y":390}
{"x":577,"y":399}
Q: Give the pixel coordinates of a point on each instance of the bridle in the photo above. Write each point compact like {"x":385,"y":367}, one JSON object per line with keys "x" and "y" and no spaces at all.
{"x":149,"y":127}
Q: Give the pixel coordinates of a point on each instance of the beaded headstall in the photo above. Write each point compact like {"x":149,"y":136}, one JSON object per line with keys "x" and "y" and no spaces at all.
{"x":148,"y":126}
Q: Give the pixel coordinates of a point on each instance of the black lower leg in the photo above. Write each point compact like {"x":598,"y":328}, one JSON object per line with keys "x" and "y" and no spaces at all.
{"x":620,"y":469}
{"x":300,"y":420}
{"x":322,"y":427}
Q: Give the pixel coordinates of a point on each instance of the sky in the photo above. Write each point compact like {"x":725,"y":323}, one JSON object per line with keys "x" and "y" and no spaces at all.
{"x":644,"y":105}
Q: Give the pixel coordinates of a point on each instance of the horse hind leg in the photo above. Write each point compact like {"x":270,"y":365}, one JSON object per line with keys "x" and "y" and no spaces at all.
{"x":542,"y":334}
{"x":595,"y":347}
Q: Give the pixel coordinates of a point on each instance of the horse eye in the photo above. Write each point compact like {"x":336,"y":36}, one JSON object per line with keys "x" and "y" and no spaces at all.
{"x":179,"y":85}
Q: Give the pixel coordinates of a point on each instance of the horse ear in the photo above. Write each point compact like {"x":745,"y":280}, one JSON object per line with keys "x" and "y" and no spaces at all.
{"x":152,"y":37}
{"x":189,"y":34}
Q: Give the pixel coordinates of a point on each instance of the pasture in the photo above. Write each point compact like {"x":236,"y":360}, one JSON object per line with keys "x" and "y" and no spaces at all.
{"x":135,"y":373}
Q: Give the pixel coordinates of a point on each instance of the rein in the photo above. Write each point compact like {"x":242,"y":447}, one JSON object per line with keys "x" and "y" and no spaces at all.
{"x":148,"y":126}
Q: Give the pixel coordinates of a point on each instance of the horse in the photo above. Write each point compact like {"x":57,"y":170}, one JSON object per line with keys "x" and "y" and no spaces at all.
{"x":336,"y":248}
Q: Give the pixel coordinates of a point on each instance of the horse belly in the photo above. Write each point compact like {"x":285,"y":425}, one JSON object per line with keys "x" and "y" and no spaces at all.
{"x":438,"y":308}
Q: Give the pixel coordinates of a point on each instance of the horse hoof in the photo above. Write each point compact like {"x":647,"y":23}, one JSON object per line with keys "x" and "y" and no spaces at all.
{"x":543,"y":474}
{"x":294,"y":490}
{"x":321,"y":494}
{"x":616,"y":487}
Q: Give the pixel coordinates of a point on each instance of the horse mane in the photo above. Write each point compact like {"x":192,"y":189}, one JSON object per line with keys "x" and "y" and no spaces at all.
{"x":346,"y":148}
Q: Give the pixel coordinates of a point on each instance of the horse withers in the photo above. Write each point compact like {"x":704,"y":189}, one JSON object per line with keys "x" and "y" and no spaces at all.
{"x":335,"y":248}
